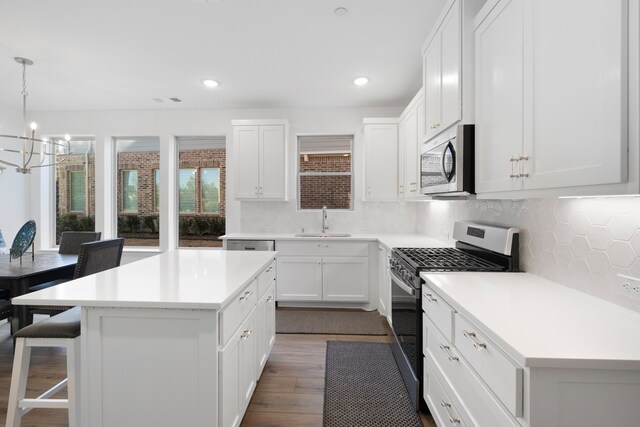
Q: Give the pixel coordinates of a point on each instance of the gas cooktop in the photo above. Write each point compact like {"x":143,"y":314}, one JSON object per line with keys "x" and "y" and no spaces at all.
{"x":444,"y":259}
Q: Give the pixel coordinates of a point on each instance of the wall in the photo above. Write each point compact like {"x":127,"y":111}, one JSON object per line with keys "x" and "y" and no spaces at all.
{"x":167,"y":124}
{"x":14,"y":187}
{"x":580,"y":243}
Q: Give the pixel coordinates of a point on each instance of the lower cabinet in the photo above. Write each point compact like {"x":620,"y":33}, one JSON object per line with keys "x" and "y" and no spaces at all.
{"x":384,"y":282}
{"x":299,"y":278}
{"x":237,"y":373}
{"x":244,"y":352}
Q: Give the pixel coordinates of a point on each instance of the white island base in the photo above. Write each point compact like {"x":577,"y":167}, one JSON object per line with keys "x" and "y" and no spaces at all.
{"x":178,"y":339}
{"x":155,"y":367}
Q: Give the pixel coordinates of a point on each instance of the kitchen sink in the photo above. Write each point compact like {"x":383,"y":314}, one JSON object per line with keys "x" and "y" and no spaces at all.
{"x":322,"y":235}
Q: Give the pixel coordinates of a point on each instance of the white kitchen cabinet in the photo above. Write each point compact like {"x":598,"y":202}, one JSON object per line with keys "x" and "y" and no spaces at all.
{"x":411,"y":128}
{"x":260,"y":159}
{"x":551,"y":97}
{"x":448,"y":69}
{"x":384,"y":282}
{"x":345,"y":279}
{"x":265,"y":327}
{"x":317,"y":271}
{"x":237,"y":373}
{"x":381,"y":159}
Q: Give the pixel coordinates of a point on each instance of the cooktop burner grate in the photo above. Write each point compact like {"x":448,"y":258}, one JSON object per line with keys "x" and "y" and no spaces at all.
{"x":446,"y":259}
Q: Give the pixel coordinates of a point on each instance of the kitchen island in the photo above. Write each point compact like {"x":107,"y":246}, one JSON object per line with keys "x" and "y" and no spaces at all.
{"x":176,"y":339}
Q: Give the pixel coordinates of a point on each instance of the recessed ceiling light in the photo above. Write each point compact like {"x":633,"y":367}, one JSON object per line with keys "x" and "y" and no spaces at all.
{"x":210,"y":83}
{"x":341,"y":11}
{"x":361,"y":81}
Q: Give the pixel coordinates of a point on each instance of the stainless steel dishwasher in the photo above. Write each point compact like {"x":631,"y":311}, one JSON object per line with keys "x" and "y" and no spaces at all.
{"x":250,"y":245}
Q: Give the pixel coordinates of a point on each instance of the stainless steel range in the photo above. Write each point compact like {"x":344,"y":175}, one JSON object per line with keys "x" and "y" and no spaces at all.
{"x":479,"y":247}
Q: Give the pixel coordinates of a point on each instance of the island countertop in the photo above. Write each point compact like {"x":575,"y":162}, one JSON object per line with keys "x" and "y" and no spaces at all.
{"x":178,"y":279}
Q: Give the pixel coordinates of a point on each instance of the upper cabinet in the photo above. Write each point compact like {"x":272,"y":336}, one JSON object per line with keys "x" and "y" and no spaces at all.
{"x":411,"y":127}
{"x":551,"y":94}
{"x":381,"y":159}
{"x":448,"y":69}
{"x":260,"y":159}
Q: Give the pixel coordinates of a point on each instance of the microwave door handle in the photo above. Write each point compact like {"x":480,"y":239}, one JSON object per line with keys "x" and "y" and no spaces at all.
{"x":411,"y":291}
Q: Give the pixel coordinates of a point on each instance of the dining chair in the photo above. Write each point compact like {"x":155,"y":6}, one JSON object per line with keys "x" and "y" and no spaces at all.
{"x":94,"y":257}
{"x":61,"y":330}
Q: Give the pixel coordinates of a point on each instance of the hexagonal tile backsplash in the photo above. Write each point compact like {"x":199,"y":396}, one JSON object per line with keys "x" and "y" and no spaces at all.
{"x":581,"y":243}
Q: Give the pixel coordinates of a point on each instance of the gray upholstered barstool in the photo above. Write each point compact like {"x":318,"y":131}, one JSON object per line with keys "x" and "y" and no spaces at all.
{"x":62,"y":330}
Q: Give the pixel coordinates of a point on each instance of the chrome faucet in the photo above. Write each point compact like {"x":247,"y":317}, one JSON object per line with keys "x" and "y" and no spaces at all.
{"x":324,"y":219}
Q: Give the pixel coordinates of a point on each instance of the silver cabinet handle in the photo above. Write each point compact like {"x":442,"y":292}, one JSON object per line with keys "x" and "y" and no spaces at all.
{"x":453,"y":419}
{"x":474,"y":339}
{"x":430,"y":298}
{"x":246,"y":334}
{"x":269,"y":269}
{"x":246,"y":295}
{"x":269,"y":298}
{"x":447,"y":351}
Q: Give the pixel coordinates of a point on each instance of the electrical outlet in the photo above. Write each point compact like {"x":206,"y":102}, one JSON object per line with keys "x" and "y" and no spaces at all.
{"x":628,"y":286}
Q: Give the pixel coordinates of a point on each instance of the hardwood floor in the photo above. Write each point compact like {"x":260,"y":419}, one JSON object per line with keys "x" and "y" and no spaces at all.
{"x":289,"y":393}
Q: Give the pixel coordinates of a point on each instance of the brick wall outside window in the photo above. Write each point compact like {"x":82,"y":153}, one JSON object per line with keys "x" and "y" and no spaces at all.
{"x":333,"y":191}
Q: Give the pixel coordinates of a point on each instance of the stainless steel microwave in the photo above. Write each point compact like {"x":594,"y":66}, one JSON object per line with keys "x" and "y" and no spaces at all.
{"x":447,"y":168}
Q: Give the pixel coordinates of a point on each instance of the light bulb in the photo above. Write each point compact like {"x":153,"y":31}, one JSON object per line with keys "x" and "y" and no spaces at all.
{"x":33,"y":126}
{"x":67,"y":137}
{"x":361,"y":81}
{"x":210,"y":83}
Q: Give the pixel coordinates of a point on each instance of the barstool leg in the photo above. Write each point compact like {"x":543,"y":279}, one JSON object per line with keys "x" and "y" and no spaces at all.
{"x":19,"y":377}
{"x":73,"y":380}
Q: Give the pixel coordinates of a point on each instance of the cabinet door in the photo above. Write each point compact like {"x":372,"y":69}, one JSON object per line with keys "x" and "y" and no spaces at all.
{"x":272,"y":162}
{"x":299,"y":278}
{"x":432,"y":86}
{"x":247,"y":161}
{"x":450,"y":69}
{"x":499,"y":97}
{"x":270,"y":320}
{"x":229,"y":386}
{"x":420,"y":112}
{"x":402,"y":149}
{"x":411,"y":155}
{"x":381,"y":161}
{"x":247,"y":358}
{"x":345,"y":279}
{"x":577,"y":131}
{"x":265,"y":328}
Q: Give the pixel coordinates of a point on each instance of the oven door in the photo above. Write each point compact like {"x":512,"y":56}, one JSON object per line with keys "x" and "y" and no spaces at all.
{"x":406,"y":312}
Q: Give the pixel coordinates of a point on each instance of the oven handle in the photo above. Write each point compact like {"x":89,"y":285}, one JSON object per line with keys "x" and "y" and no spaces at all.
{"x":408,"y":289}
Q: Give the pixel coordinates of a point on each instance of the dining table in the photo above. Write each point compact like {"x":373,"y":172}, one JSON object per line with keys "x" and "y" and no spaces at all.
{"x":17,"y":276}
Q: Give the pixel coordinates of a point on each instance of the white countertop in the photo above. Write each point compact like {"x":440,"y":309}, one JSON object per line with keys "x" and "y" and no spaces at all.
{"x":541,"y":323}
{"x":389,"y":240}
{"x":185,"y":279}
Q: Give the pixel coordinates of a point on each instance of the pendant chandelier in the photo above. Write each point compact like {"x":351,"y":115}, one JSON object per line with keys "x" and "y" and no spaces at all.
{"x":28,"y":152}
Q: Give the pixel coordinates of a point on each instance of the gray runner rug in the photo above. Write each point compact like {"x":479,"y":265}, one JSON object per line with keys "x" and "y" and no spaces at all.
{"x":328,"y":321}
{"x":363,"y":387}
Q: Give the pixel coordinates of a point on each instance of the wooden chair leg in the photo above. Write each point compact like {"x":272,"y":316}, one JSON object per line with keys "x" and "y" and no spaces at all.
{"x":21,"y":360}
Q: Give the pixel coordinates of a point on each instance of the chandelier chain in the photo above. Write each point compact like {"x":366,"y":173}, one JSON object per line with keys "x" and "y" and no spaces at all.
{"x":24,"y":79}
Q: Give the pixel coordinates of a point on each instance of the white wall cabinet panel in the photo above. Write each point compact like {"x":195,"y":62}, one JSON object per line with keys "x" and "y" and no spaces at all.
{"x":551,"y":98}
{"x":260,"y":159}
{"x":411,"y":128}
{"x":450,"y":69}
{"x":345,"y":279}
{"x":499,"y":97}
{"x":432,"y":86}
{"x":381,"y":159}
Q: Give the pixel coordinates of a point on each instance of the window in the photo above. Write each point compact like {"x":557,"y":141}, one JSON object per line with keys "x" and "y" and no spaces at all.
{"x":75,"y":183}
{"x":76,"y":192}
{"x":130,"y":191}
{"x":210,"y":189}
{"x":138,"y":195}
{"x":156,"y":189}
{"x":325,"y":172}
{"x":201,"y":200}
{"x":187,"y":191}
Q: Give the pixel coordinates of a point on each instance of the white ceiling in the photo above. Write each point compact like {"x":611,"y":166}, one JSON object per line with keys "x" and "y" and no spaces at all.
{"x":119,"y":54}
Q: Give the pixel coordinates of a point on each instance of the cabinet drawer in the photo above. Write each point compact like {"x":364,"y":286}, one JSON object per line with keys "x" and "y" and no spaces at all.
{"x":481,"y":405}
{"x":322,"y":247}
{"x":266,"y":278}
{"x":438,"y":311}
{"x":443,"y":408}
{"x":232,"y":316}
{"x":496,"y":369}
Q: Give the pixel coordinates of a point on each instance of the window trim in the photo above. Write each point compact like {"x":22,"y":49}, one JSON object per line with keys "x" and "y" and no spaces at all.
{"x":299,"y":174}
{"x":156,"y":190}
